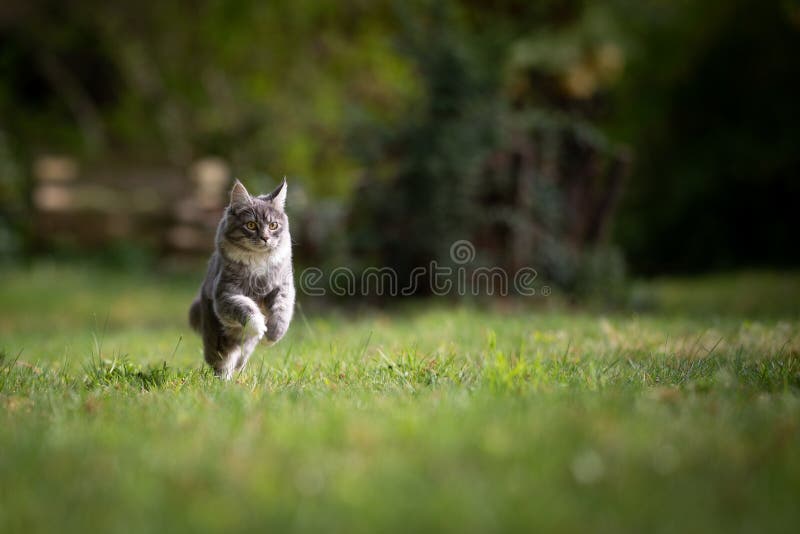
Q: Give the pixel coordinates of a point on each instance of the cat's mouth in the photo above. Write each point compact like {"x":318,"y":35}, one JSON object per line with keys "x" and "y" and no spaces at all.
{"x":264,"y":247}
{"x":259,"y":247}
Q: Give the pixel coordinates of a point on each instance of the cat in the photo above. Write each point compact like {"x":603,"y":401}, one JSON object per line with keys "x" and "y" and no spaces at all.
{"x":248,"y":293}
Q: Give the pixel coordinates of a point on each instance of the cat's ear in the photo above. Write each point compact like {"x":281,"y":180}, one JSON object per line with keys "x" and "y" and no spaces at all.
{"x":239,"y":194}
{"x":278,"y":196}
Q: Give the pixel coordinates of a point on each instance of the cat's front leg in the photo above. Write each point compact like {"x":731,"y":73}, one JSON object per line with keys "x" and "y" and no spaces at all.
{"x":279,"y":313}
{"x":235,"y":311}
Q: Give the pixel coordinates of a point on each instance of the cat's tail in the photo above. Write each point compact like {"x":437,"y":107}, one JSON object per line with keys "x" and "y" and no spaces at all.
{"x":195,"y":315}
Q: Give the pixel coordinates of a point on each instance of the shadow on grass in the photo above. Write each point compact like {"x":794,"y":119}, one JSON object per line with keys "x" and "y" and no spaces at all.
{"x":120,"y":372}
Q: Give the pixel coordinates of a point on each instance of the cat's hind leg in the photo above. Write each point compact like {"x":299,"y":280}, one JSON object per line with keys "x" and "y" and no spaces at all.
{"x":223,"y":362}
{"x":245,"y":351}
{"x":234,"y":358}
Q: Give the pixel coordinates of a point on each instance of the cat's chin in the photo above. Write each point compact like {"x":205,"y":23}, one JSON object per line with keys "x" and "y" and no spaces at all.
{"x":245,"y":254}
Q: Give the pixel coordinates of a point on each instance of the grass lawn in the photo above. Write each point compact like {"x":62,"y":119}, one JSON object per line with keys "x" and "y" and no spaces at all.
{"x":685,"y":415}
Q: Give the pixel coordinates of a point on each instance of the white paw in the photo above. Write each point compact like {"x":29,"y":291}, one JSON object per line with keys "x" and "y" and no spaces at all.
{"x":256,"y":326}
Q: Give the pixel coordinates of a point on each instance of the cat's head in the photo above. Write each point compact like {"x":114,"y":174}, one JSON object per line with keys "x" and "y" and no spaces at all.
{"x":255,"y":224}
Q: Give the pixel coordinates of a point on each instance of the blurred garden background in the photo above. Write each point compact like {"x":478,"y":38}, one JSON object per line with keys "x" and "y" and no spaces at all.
{"x":642,"y":156}
{"x":593,"y":141}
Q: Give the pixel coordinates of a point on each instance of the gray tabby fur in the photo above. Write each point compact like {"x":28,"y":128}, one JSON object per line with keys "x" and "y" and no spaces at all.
{"x":248,"y":293}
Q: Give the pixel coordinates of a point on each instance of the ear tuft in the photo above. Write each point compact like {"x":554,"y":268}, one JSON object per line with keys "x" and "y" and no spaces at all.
{"x":239,"y":194}
{"x":278,"y":196}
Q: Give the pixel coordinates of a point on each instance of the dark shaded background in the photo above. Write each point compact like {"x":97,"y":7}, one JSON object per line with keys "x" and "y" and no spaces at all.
{"x":587,"y":139}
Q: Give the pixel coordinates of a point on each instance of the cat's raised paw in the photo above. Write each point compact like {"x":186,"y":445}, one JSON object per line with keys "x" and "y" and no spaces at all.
{"x":256,"y":326}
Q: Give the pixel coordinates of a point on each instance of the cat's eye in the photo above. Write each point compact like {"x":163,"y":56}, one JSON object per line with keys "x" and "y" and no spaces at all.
{"x":250,"y":225}
{"x":273,"y":226}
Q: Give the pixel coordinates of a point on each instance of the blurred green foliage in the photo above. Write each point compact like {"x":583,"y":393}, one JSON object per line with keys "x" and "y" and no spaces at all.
{"x":263,"y":83}
{"x":392,"y":109}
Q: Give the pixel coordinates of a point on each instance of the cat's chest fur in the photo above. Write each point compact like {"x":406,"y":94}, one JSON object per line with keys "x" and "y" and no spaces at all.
{"x":257,"y":281}
{"x":258,"y":277}
{"x":258,"y":285}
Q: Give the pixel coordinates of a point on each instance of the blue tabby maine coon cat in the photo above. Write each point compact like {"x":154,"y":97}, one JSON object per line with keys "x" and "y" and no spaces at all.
{"x":248,"y":293}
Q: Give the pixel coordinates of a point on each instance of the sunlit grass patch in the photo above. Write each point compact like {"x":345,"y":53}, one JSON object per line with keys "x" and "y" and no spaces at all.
{"x":436,"y":418}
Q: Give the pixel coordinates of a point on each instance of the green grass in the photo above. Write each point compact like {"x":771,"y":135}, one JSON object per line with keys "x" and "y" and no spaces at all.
{"x":431,"y":418}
